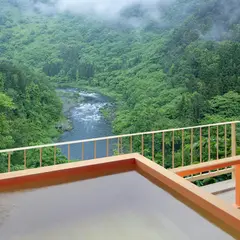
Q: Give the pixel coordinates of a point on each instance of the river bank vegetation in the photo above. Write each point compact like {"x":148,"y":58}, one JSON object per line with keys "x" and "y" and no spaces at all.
{"x":180,"y":68}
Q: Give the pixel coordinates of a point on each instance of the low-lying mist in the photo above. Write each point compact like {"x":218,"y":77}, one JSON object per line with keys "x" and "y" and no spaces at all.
{"x":221,"y":14}
{"x":134,"y":12}
{"x":103,"y":8}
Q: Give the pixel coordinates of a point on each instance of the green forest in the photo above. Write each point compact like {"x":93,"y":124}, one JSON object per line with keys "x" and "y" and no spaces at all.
{"x":180,"y":68}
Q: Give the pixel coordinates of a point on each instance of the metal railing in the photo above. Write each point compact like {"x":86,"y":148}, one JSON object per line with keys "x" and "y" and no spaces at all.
{"x":170,"y":148}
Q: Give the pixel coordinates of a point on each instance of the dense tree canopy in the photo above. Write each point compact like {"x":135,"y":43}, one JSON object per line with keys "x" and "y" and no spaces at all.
{"x":29,"y":109}
{"x":183,"y":68}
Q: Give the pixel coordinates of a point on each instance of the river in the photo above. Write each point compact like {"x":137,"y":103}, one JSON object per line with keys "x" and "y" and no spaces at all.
{"x":87,"y":122}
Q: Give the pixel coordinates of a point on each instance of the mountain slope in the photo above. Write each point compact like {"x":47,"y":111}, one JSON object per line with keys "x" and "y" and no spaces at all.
{"x":168,"y":70}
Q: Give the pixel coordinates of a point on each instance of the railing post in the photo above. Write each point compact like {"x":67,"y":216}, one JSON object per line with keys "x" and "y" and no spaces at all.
{"x":233,"y":145}
{"x":153,"y":147}
{"x":40,"y":156}
{"x":163,"y":149}
{"x":131,"y":144}
{"x":173,"y":150}
{"x":217,"y":142}
{"x":25,"y":159}
{"x":121,"y":145}
{"x":82,"y":151}
{"x":55,"y":155}
{"x":95,"y":149}
{"x":209,"y":143}
{"x":107,"y":148}
{"x":200,"y":144}
{"x":192,"y":139}
{"x":69,"y":152}
{"x":118,"y":146}
{"x":183,"y":147}
{"x":9,"y":162}
{"x":225,"y":140}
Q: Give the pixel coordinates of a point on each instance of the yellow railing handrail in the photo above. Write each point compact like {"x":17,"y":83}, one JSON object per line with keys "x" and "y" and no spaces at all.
{"x":113,"y":137}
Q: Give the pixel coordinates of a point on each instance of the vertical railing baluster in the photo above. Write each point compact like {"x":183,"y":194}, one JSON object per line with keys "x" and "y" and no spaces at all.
{"x":142,"y":145}
{"x":217,"y":142}
{"x":191,"y":146}
{"x":131,"y":144}
{"x":233,"y":145}
{"x":163,"y":149}
{"x":9,"y":162}
{"x":69,"y":152}
{"x":153,"y":147}
{"x":200,"y":144}
{"x":183,"y":142}
{"x":40,"y":156}
{"x":118,"y":146}
{"x":225,"y":140}
{"x":173,"y":150}
{"x":209,"y":143}
{"x":55,"y":156}
{"x":121,"y":145}
{"x":25,"y":159}
{"x":107,"y":147}
{"x":95,"y":149}
{"x":82,"y":151}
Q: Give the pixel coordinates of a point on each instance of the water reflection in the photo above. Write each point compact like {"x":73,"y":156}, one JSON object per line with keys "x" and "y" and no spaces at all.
{"x":122,"y":206}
